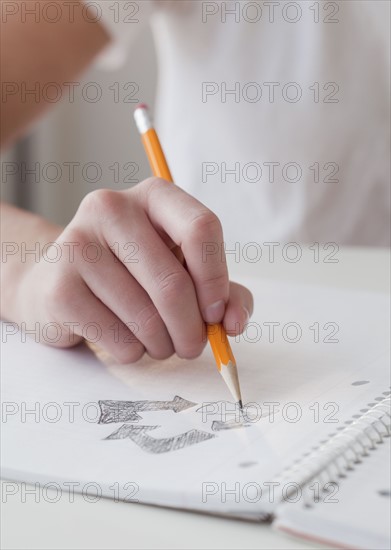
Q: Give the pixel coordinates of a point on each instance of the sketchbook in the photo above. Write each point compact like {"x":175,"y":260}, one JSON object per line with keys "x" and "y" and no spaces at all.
{"x":310,"y":451}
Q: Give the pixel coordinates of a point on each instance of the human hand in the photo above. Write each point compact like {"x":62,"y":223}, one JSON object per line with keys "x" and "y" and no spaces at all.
{"x":117,"y":275}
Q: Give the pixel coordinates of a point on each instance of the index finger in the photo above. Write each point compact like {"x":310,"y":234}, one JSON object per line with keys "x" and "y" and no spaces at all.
{"x":197,"y":230}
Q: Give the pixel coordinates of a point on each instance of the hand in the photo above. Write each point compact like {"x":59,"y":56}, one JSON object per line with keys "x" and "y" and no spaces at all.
{"x":116,"y":279}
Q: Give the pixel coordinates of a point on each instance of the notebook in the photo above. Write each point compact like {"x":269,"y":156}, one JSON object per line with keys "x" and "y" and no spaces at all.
{"x":309,"y":452}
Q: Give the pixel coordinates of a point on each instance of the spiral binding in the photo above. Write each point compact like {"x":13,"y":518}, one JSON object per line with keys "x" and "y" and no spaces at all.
{"x":335,"y":458}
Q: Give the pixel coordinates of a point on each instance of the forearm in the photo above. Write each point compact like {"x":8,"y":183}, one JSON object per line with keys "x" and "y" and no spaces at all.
{"x":23,"y":240}
{"x":36,"y":51}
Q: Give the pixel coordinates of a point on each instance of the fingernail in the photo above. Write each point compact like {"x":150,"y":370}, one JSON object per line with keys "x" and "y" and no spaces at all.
{"x":215,"y":312}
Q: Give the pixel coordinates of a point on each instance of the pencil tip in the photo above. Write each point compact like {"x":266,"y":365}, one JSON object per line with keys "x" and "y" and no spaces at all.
{"x":240,"y":404}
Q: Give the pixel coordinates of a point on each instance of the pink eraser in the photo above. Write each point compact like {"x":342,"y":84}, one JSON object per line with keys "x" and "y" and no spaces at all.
{"x":142,"y":106}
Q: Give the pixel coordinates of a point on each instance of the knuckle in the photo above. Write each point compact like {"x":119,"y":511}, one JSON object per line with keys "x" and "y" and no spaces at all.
{"x":103,"y":203}
{"x":172,"y":284}
{"x":74,"y":235}
{"x":149,"y":186}
{"x":148,"y":320}
{"x":205,"y":225}
{"x":219,"y":281}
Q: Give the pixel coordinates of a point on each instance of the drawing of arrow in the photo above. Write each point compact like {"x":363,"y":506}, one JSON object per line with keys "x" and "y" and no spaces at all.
{"x":126,"y":411}
{"x":217,"y":426}
{"x":116,"y":411}
{"x":163,"y":445}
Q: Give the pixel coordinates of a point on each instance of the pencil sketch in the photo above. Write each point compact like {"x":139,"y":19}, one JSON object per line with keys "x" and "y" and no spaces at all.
{"x":227,"y":416}
{"x":126,"y":411}
{"x":116,"y":411}
{"x":163,"y":445}
{"x":226,"y":408}
{"x":217,"y":425}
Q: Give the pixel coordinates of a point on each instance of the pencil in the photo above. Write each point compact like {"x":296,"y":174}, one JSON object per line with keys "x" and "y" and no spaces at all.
{"x":217,"y":336}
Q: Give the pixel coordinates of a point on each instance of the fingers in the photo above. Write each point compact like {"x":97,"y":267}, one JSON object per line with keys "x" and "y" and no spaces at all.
{"x":192,"y":227}
{"x":87,"y":316}
{"x":129,"y":302}
{"x":239,"y":309}
{"x":150,"y":299}
{"x":164,"y":280}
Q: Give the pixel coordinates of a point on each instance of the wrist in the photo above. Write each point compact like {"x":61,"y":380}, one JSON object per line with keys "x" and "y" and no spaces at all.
{"x":20,"y":259}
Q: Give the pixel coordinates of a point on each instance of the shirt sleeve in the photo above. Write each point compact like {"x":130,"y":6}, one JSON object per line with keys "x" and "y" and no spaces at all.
{"x":123,"y":21}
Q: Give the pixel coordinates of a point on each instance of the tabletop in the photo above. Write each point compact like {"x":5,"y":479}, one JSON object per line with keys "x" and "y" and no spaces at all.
{"x":30,"y":520}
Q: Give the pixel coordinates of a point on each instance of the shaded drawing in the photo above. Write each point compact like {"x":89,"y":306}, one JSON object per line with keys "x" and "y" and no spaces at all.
{"x":229,"y":415}
{"x":360,"y":382}
{"x":126,"y":411}
{"x":217,"y":426}
{"x":116,"y":411}
{"x":220,"y":407}
{"x":163,"y":445}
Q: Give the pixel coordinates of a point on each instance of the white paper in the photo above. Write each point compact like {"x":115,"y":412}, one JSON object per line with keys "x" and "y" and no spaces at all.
{"x":360,"y":517}
{"x":228,"y":473}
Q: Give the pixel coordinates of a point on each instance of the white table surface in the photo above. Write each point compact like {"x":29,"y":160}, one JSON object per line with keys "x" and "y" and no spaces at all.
{"x":116,"y":525}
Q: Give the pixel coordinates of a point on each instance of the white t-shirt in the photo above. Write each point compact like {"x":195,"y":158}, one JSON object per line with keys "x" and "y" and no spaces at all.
{"x":276,"y":115}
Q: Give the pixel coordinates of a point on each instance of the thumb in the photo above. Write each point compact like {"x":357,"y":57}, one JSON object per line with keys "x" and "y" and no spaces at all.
{"x":238,"y":310}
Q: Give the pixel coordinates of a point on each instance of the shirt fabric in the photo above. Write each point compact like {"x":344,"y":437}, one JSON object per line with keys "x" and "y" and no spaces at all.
{"x":275,"y":115}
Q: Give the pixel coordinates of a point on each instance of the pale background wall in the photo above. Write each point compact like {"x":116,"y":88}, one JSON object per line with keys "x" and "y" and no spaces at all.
{"x":84,"y":132}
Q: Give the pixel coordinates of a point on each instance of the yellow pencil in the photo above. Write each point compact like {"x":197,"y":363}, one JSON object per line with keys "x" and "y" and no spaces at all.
{"x":217,"y":336}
